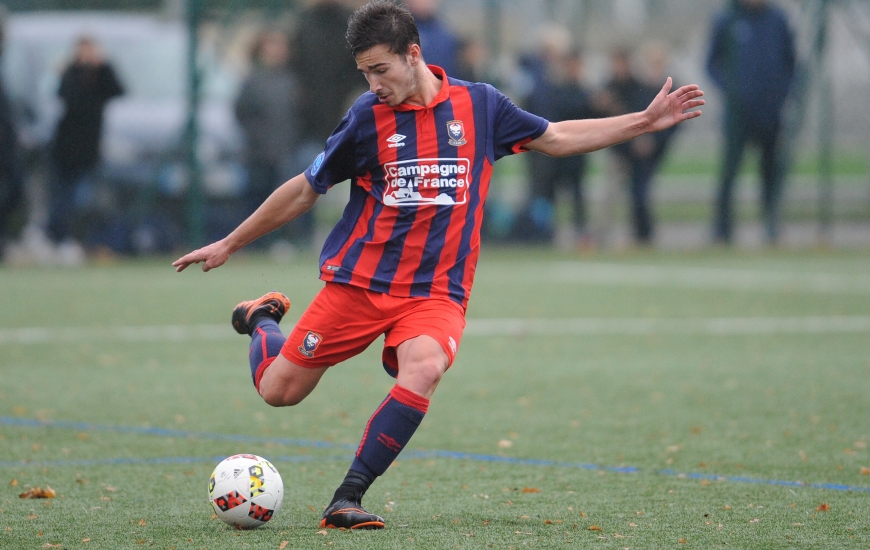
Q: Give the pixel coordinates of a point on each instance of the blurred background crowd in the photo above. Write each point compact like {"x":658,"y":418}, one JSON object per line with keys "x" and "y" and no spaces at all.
{"x":144,"y":126}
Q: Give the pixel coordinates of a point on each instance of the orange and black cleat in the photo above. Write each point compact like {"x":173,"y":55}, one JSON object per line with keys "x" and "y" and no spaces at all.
{"x":345,"y":514}
{"x":273,"y":304}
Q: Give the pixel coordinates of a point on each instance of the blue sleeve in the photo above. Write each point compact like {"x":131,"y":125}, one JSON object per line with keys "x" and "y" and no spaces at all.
{"x":513,"y":127}
{"x":337,"y":162}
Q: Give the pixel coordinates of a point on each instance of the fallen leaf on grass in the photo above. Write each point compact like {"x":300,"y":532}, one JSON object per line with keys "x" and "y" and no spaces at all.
{"x":50,"y":545}
{"x":310,"y":507}
{"x":823,"y":507}
{"x":683,"y":541}
{"x":594,"y":528}
{"x":865,"y":471}
{"x":756,"y":520}
{"x":39,"y":492}
{"x":86,"y":539}
{"x":322,"y":532}
{"x":522,"y":533}
{"x":283,"y":544}
{"x":531,"y":490}
{"x":142,"y":523}
{"x":13,"y":483}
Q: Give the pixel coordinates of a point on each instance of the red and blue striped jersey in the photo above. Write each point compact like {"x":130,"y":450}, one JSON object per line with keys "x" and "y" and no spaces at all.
{"x":419,"y":179}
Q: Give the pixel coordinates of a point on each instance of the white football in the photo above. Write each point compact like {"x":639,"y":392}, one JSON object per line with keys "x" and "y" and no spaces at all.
{"x":245,"y":491}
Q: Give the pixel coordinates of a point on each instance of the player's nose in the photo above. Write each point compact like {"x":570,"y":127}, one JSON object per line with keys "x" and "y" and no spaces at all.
{"x":374,"y":85}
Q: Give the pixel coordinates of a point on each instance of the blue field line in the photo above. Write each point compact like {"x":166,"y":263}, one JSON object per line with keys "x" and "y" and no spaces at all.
{"x":419,"y":454}
{"x":761,"y":481}
{"x":153,"y":461}
{"x":164,"y":432}
{"x":518,"y":461}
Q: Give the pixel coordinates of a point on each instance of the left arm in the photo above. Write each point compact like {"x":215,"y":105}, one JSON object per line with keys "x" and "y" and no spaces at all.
{"x":575,"y":137}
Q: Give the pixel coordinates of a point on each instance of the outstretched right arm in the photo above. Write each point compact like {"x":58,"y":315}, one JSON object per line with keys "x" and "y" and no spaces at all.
{"x":292,"y":199}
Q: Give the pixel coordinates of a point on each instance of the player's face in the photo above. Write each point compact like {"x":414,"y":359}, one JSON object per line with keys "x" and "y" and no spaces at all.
{"x":392,"y":77}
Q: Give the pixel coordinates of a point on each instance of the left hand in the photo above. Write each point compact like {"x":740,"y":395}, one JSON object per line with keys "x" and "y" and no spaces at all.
{"x":671,"y":108}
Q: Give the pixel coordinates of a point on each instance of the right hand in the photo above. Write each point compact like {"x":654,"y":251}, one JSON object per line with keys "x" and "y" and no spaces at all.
{"x":214,"y":255}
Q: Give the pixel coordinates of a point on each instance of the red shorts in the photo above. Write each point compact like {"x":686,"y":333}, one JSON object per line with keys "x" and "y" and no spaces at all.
{"x":343,"y":320}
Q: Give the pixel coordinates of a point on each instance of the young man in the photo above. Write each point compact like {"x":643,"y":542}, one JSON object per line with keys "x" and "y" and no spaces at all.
{"x":418,"y":149}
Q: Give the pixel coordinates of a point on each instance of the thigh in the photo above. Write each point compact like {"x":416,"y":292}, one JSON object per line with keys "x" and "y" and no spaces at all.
{"x":442,"y":320}
{"x":340,"y":323}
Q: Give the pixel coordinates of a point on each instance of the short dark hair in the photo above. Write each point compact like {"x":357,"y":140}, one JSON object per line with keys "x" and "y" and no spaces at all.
{"x":382,"y":22}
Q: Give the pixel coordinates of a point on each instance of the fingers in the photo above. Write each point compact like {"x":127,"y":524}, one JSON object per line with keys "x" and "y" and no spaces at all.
{"x":184,"y":262}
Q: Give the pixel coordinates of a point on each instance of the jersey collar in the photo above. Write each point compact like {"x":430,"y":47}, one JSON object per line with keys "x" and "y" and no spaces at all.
{"x":442,"y":95}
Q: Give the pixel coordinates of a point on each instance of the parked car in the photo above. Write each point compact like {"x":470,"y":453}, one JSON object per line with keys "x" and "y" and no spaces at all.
{"x":143,"y":140}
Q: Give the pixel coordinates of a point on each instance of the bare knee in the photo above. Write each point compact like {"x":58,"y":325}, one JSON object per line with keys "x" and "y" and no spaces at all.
{"x":278,"y":398}
{"x":284,"y":384}
{"x":421,"y":372}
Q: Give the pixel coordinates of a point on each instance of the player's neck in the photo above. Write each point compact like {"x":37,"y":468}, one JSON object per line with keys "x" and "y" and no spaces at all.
{"x":428,"y":87}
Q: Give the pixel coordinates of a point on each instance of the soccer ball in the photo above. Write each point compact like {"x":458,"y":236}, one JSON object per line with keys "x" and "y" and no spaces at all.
{"x":245,"y":491}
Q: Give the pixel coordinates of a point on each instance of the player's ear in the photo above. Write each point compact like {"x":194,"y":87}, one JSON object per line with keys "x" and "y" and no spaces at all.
{"x":415,"y":54}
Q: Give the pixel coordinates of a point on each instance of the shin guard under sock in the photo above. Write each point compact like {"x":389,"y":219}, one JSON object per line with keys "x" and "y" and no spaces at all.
{"x":389,"y":430}
{"x":266,"y":343}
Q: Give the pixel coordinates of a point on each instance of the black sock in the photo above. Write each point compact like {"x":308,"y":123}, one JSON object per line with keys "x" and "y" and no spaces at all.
{"x":353,"y":487}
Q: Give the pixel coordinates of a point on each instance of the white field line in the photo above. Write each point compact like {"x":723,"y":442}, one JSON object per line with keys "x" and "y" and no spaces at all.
{"x":680,"y":277}
{"x":476,"y":327}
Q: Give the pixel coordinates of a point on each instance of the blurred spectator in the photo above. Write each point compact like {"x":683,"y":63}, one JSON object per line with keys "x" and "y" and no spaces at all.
{"x":326,"y":70}
{"x":439,"y":43}
{"x":558,"y":95}
{"x":87,"y":84}
{"x":472,"y":61}
{"x":267,"y":110}
{"x":752,"y":59}
{"x":328,"y":81}
{"x":641,"y":156}
{"x":12,"y":204}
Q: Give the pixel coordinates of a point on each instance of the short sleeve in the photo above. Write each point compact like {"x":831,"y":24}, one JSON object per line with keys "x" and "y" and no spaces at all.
{"x":337,"y":162}
{"x":514,"y":127}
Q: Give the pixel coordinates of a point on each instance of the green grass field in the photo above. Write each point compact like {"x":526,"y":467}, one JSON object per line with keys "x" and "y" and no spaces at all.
{"x":638,"y":401}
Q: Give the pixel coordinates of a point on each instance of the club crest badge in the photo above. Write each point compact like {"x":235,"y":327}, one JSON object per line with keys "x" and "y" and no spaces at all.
{"x":456,"y":133}
{"x":309,"y":345}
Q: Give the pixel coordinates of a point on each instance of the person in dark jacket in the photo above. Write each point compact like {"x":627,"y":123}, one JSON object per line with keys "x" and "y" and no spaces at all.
{"x":12,"y":204}
{"x":558,"y":95}
{"x":441,"y":45}
{"x":267,"y":109}
{"x":752,"y":60}
{"x":86,"y":86}
{"x":641,"y":156}
{"x":328,"y":82}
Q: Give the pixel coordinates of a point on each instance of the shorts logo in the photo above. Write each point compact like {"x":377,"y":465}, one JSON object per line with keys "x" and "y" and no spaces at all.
{"x":456,"y":133}
{"x":452,"y":343}
{"x":309,"y":345}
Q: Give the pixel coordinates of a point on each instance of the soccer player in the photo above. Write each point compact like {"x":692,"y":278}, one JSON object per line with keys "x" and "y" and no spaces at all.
{"x":418,"y":149}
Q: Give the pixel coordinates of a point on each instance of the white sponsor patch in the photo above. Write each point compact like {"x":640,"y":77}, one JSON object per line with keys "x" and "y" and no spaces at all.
{"x":427,"y":181}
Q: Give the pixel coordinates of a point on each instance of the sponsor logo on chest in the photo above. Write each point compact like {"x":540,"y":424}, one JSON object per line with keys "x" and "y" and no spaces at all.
{"x":439,"y":181}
